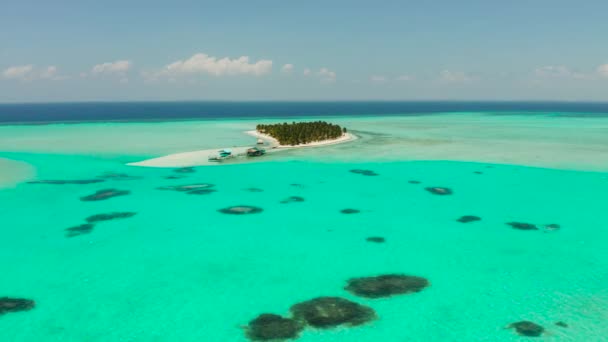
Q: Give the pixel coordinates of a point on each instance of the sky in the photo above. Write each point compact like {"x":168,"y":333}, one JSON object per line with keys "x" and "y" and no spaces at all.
{"x":108,"y":50}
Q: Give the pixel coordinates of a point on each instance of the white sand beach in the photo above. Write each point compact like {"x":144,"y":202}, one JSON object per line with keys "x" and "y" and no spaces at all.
{"x":201,"y":157}
{"x":13,"y":172}
{"x":346,"y":137}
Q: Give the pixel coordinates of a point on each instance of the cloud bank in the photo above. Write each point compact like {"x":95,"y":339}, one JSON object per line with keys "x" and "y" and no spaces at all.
{"x":30,"y":73}
{"x":117,"y":67}
{"x":202,"y":63}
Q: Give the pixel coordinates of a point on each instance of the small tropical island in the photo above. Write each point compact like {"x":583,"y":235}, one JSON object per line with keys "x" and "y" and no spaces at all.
{"x":270,"y":138}
{"x":301,"y":133}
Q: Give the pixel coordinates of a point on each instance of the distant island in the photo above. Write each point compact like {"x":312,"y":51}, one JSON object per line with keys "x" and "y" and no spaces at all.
{"x":302,"y":133}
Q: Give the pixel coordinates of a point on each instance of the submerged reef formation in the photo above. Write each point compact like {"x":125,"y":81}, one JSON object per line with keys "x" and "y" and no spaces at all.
{"x":328,"y":312}
{"x":64,"y":182}
{"x":522,"y":226}
{"x":174,"y":177}
{"x":552,"y":226}
{"x":293,"y":199}
{"x":187,"y":187}
{"x":386,"y":285}
{"x":184,"y":170}
{"x":530,"y":226}
{"x":82,"y":229}
{"x":88,"y":227}
{"x":201,"y":192}
{"x":241,"y":210}
{"x":375,"y":239}
{"x":527,"y":328}
{"x":469,"y":218}
{"x":269,"y":327}
{"x":439,"y":190}
{"x":349,"y":211}
{"x":117,"y":176}
{"x":8,"y":305}
{"x":364,"y":172}
{"x":105,"y":194}
{"x":110,"y":216}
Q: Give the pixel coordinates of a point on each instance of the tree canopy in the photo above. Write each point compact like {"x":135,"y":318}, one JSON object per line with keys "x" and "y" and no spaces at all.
{"x":297,"y":133}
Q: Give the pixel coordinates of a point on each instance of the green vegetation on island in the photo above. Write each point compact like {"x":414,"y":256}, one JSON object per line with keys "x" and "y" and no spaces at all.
{"x":297,"y":133}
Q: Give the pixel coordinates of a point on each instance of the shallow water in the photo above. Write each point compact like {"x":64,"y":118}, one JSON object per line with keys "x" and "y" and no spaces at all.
{"x":180,"y":270}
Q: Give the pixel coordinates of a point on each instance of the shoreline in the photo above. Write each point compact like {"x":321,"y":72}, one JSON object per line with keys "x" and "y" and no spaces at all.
{"x":201,"y":157}
{"x":346,"y":137}
{"x":13,"y":172}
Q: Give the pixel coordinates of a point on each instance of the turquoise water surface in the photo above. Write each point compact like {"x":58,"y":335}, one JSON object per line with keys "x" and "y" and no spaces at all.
{"x":179,"y":270}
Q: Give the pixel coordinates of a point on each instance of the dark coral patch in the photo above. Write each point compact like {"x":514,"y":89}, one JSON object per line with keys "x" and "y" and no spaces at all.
{"x":15,"y":305}
{"x":375,"y":239}
{"x":328,"y":312}
{"x":296,"y":185}
{"x":522,"y":226}
{"x":201,"y":192}
{"x":386,"y":285}
{"x":241,"y":210}
{"x":105,"y":194}
{"x":117,"y":176}
{"x":268,"y":327}
{"x":439,"y":190}
{"x":350,"y":211}
{"x":478,"y":172}
{"x":469,"y":218}
{"x":552,"y":226}
{"x":110,"y":216}
{"x":63,"y":182}
{"x":414,"y":182}
{"x":293,"y":199}
{"x":175,"y":177}
{"x":364,"y":172}
{"x":83,"y":229}
{"x":187,"y":187}
{"x":185,"y":170}
{"x":527,"y":328}
{"x":254,"y":190}
{"x":561,"y":324}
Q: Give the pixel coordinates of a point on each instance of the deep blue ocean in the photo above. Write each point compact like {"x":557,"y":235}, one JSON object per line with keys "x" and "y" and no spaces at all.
{"x":142,"y":111}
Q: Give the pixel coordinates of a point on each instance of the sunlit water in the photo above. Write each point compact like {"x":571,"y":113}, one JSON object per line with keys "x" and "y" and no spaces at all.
{"x":180,"y":270}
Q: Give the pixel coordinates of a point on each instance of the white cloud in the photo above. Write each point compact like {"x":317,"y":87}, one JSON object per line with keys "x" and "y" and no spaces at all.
{"x":117,"y":67}
{"x":405,"y":78}
{"x":49,"y":73}
{"x":30,"y":73}
{"x":327,"y":75}
{"x":378,"y":79}
{"x":603,"y":70}
{"x":202,"y":63}
{"x":20,"y":72}
{"x":287,"y":69}
{"x":449,"y":76}
{"x":324,"y":74}
{"x":559,"y":71}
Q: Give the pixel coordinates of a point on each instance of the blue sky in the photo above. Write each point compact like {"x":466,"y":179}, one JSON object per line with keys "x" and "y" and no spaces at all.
{"x":360,"y":50}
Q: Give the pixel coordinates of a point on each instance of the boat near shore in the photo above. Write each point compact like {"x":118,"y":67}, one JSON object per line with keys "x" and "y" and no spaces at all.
{"x":221,"y":155}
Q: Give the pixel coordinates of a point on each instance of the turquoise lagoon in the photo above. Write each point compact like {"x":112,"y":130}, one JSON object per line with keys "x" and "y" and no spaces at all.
{"x":181,"y":271}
